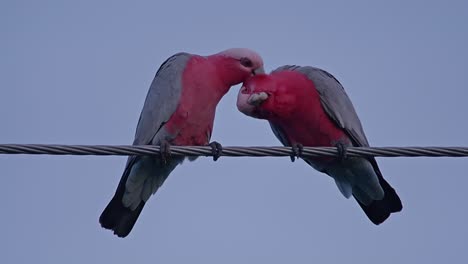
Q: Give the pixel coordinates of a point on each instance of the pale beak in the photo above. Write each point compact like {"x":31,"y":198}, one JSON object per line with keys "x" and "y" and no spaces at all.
{"x":258,"y":71}
{"x":257,"y":98}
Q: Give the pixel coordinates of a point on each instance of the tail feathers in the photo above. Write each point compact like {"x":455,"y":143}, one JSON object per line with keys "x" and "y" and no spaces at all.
{"x":379,"y":210}
{"x":344,"y":186}
{"x":118,"y":218}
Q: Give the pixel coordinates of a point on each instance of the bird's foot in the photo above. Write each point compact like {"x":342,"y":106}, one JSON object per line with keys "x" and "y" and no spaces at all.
{"x":342,"y":151}
{"x":296,"y":151}
{"x":165,"y":151}
{"x":216,"y":150}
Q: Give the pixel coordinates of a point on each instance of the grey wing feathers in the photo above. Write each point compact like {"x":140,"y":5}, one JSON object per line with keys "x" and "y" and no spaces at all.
{"x":280,"y":135}
{"x":162,"y":98}
{"x":161,"y":102}
{"x":334,"y":100}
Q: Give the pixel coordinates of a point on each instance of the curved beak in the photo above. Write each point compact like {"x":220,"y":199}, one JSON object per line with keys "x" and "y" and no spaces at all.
{"x":258,"y":71}
{"x":256,"y":99}
{"x":248,"y":103}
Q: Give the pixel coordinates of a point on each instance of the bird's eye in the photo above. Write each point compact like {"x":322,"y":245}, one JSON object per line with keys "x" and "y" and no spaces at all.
{"x":246,"y":62}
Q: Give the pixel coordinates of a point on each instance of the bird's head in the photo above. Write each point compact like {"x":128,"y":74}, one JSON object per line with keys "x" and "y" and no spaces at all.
{"x":269,"y":96}
{"x":256,"y":97}
{"x":238,"y":64}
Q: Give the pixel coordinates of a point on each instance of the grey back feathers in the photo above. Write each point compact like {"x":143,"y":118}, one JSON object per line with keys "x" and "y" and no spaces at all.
{"x":144,"y":175}
{"x":162,"y":99}
{"x":147,"y":174}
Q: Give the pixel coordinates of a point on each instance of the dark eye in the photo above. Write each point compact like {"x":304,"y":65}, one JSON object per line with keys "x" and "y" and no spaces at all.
{"x":246,"y":62}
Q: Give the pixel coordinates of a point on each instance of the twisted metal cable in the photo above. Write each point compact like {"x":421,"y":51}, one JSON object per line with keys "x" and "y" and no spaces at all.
{"x":129,"y":150}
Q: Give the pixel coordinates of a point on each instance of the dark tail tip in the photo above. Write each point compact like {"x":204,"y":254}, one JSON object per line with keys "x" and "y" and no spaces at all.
{"x":378,"y":211}
{"x":118,"y":218}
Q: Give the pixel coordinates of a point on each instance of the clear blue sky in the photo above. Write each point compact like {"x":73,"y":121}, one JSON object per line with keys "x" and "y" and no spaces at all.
{"x":78,"y":73}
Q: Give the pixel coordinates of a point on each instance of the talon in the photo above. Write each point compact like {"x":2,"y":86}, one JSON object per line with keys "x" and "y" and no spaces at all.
{"x":165,"y":151}
{"x":342,"y":151}
{"x":296,"y":151}
{"x":216,"y":150}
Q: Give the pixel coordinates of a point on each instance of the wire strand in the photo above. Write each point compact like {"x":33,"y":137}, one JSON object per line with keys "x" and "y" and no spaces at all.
{"x":140,"y":150}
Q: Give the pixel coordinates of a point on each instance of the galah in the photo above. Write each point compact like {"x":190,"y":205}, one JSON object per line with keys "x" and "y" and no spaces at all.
{"x":307,"y":106}
{"x":179,"y":110}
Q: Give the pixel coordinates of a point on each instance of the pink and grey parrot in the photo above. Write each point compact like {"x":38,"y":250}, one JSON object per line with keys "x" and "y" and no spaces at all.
{"x":307,"y":106}
{"x":179,"y":109}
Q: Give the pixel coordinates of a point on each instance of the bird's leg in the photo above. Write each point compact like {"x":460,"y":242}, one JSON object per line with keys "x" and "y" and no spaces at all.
{"x":216,"y":150}
{"x":296,"y":151}
{"x":165,"y":151}
{"x":342,"y":151}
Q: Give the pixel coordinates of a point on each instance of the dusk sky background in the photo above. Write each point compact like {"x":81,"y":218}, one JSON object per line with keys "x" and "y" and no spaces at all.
{"x":77,"y":72}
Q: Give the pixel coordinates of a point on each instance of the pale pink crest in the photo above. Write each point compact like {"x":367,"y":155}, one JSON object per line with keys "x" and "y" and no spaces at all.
{"x":238,"y":53}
